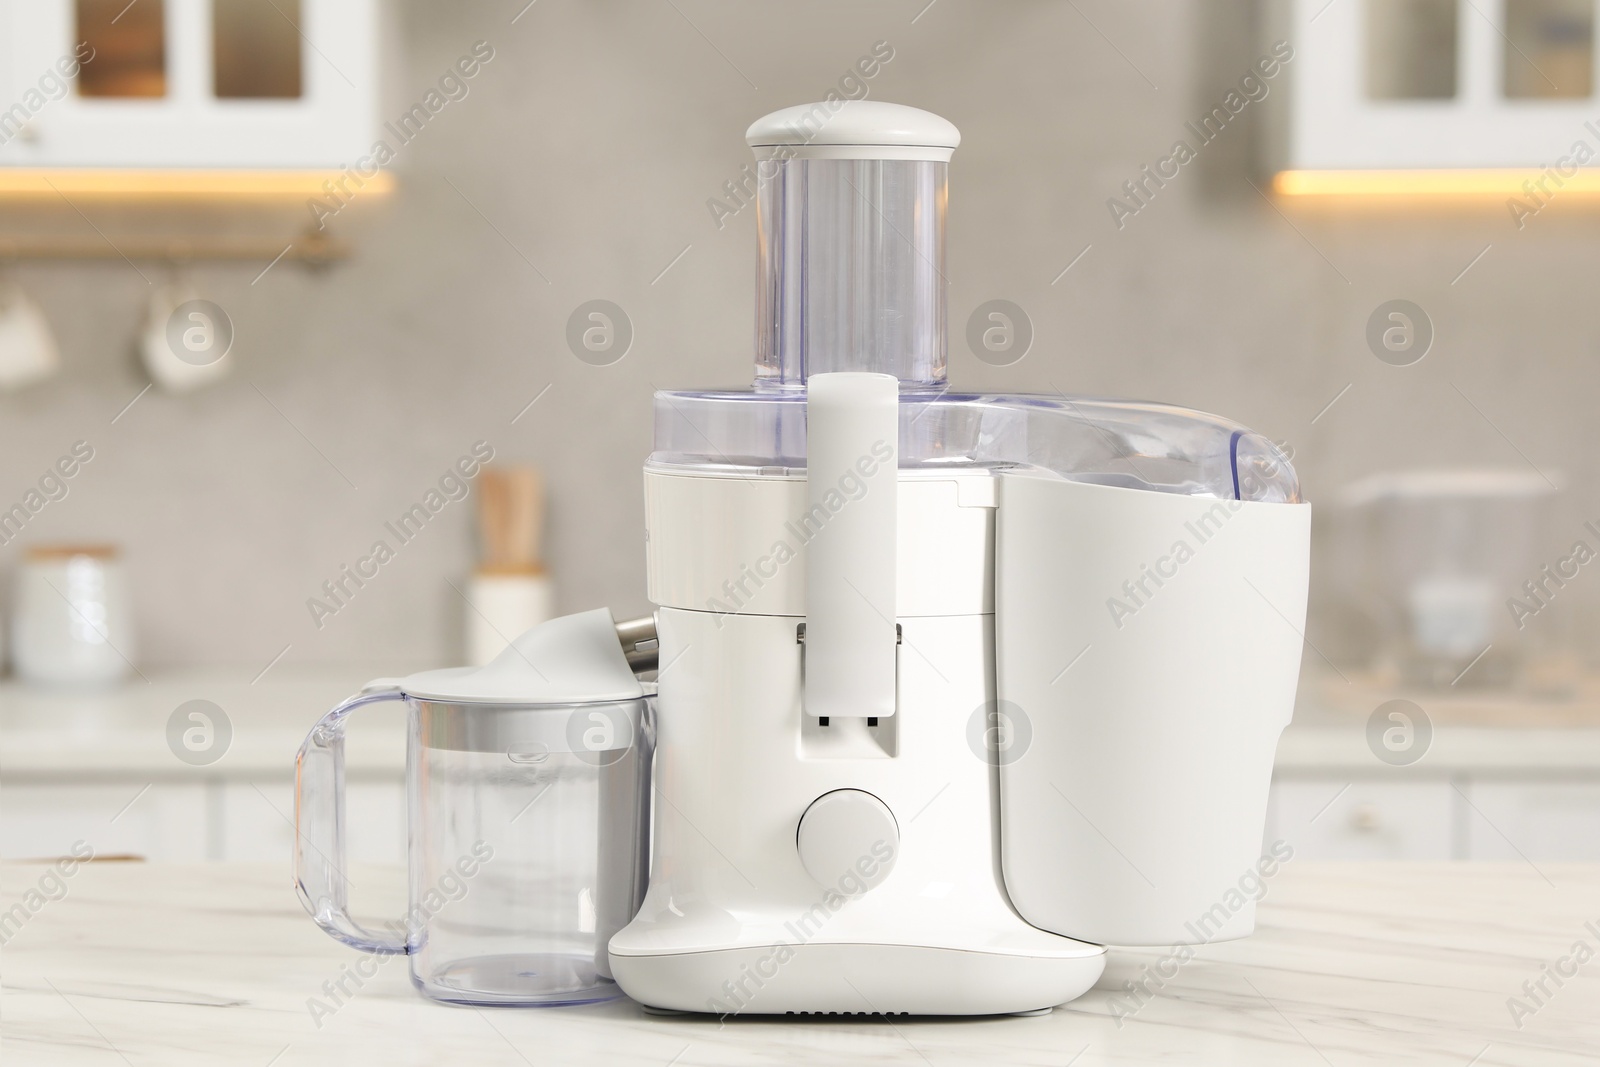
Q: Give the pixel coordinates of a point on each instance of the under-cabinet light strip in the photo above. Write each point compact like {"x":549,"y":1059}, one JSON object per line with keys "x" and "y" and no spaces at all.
{"x":180,"y":184}
{"x":1508,"y":182}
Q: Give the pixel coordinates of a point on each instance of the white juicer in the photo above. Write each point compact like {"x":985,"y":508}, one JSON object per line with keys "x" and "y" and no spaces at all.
{"x":954,"y":689}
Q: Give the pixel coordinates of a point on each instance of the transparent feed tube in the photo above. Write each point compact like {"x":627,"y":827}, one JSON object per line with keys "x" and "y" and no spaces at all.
{"x":851,"y":273}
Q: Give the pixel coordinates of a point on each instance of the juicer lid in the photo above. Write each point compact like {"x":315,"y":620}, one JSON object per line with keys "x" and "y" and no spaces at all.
{"x":575,"y":659}
{"x":853,"y":129}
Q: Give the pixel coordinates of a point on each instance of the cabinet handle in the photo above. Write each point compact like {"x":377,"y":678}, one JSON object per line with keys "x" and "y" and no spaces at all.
{"x":1365,"y":818}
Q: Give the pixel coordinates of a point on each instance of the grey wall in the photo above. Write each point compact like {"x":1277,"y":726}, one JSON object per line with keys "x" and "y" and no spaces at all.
{"x":591,"y":143}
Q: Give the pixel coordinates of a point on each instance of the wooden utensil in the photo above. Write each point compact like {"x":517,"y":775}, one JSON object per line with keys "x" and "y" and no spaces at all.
{"x":510,"y":519}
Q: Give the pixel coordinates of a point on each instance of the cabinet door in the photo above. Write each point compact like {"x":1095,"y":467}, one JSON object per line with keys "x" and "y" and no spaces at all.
{"x":1425,"y":84}
{"x":1544,"y":822}
{"x":164,"y":822}
{"x":1335,"y":819}
{"x":188,"y":84}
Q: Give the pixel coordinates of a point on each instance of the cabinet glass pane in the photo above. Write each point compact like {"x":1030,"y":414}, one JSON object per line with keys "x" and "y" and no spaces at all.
{"x":1411,"y":49}
{"x":130,"y":47}
{"x":255,"y":48}
{"x":1549,"y":49}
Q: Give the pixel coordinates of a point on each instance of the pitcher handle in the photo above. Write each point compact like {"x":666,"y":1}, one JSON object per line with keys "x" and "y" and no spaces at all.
{"x":319,"y":824}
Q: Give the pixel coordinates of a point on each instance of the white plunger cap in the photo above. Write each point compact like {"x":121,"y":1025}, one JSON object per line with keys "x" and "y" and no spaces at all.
{"x":853,"y":129}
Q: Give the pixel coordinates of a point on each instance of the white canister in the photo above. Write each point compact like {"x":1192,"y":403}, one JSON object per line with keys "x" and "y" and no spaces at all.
{"x":71,"y":621}
{"x":504,"y":604}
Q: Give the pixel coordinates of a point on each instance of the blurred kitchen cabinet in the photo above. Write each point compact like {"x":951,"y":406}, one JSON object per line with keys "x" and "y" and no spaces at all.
{"x":1511,"y":820}
{"x":1542,"y":822}
{"x":1437,"y":84}
{"x":257,"y":820}
{"x":1332,"y":819}
{"x":163,"y":820}
{"x":189,"y":822}
{"x":187,"y":84}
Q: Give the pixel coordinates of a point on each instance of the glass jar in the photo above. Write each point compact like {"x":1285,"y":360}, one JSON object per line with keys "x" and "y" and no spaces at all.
{"x":72,"y":623}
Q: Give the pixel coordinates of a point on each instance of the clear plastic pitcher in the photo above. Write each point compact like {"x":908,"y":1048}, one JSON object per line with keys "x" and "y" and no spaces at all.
{"x":527,"y":811}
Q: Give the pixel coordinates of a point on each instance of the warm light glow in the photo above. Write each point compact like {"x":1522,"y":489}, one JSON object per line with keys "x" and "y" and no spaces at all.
{"x":1432,"y":183}
{"x":183,"y":184}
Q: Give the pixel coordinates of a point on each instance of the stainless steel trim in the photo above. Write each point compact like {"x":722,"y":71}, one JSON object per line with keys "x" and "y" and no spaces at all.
{"x":640,"y":644}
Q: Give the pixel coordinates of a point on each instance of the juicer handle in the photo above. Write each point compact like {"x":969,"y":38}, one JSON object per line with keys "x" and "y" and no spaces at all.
{"x":852,"y":494}
{"x":319,"y":825}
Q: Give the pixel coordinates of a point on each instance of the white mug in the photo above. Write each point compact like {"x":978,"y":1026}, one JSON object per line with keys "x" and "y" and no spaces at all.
{"x":185,"y":341}
{"x":27,"y":347}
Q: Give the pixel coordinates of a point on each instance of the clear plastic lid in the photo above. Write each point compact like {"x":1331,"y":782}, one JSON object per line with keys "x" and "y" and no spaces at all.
{"x":851,"y":277}
{"x":1126,"y":443}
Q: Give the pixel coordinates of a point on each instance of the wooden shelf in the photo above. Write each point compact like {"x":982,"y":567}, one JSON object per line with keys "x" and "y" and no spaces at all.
{"x":314,"y":249}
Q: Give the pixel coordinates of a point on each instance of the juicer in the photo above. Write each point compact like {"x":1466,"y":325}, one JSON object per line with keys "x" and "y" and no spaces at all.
{"x":954,"y":688}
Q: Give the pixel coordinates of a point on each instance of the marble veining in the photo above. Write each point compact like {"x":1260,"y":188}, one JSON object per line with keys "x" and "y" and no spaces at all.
{"x":1351,"y":964}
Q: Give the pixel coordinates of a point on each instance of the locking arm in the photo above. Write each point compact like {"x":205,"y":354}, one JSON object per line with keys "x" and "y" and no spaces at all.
{"x":852,"y":496}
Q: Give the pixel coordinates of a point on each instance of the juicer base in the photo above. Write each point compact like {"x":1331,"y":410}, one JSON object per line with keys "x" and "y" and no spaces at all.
{"x":857,"y":979}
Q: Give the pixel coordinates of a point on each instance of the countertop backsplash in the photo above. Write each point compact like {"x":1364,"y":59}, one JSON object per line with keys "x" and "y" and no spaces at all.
{"x":565,"y":176}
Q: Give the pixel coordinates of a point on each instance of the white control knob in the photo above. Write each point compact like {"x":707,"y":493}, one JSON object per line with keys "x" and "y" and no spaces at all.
{"x":848,"y":840}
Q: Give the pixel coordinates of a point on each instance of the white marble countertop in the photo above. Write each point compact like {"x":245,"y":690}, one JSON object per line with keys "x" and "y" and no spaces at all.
{"x":169,"y":965}
{"x":55,"y":733}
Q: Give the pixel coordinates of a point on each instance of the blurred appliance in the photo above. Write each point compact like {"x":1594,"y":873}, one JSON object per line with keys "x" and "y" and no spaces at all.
{"x":954,"y":689}
{"x":1444,"y":554}
{"x":72,"y":622}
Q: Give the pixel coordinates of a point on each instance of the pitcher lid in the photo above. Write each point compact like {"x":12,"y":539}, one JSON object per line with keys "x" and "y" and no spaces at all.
{"x":575,"y":659}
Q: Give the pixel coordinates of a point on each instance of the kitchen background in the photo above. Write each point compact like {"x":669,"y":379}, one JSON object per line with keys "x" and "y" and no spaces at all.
{"x":579,"y":164}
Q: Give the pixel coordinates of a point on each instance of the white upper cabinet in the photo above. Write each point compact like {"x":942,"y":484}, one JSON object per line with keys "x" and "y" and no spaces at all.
{"x":187,"y":84}
{"x":1425,"y":84}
